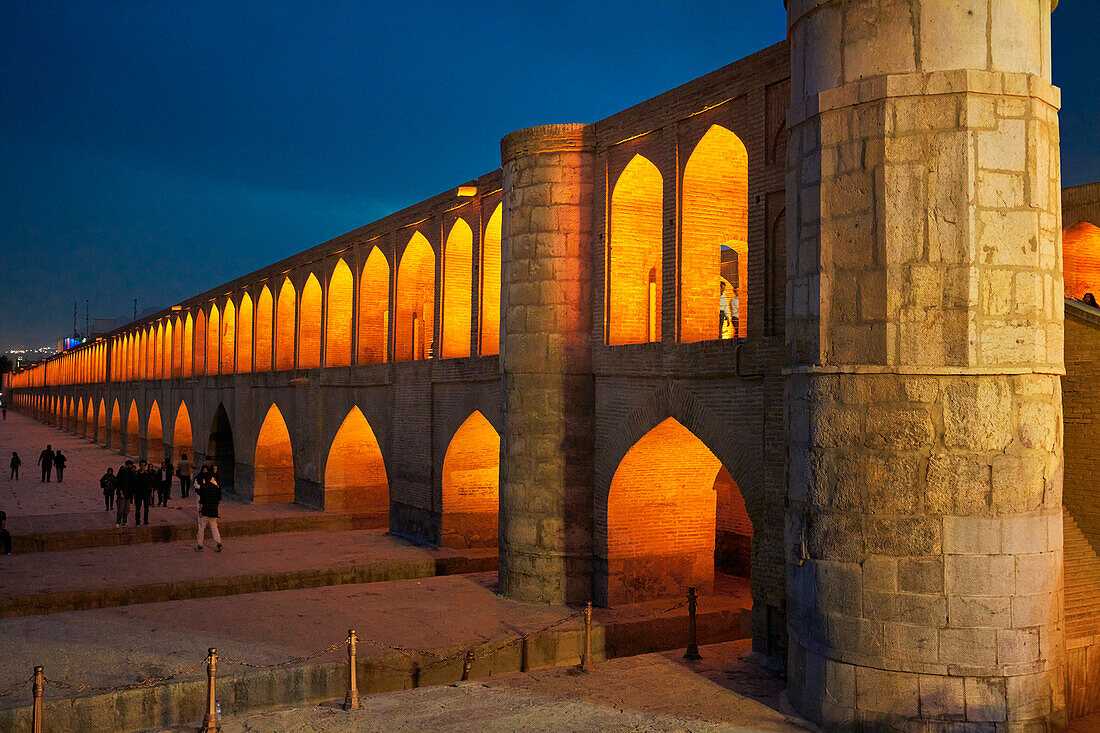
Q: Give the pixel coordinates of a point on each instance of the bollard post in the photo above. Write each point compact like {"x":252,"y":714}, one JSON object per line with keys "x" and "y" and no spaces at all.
{"x":692,"y":652}
{"x":586,"y":661}
{"x":351,"y":700}
{"x":39,"y":684}
{"x":466,"y":665}
{"x":210,"y":723}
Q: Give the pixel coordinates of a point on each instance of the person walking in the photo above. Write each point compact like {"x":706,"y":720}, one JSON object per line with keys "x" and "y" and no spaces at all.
{"x":210,"y":496}
{"x":45,"y":459}
{"x":124,"y":493}
{"x":183,"y":470}
{"x":15,"y":464}
{"x":5,"y":535}
{"x":143,"y":493}
{"x":168,"y":478}
{"x":4,"y":409}
{"x":107,"y":483}
{"x":59,"y":465}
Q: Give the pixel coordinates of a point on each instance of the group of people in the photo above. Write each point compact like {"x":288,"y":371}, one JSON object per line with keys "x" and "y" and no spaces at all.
{"x":49,"y":459}
{"x":134,"y":485}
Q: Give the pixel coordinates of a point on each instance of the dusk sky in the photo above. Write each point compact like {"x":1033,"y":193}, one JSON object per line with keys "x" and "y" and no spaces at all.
{"x":156,"y":149}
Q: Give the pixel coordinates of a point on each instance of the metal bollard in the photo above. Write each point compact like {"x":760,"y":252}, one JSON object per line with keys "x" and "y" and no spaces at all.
{"x":351,"y":700}
{"x":210,"y":723}
{"x":586,"y":661}
{"x":39,"y":684}
{"x":692,"y":652}
{"x":466,"y":665}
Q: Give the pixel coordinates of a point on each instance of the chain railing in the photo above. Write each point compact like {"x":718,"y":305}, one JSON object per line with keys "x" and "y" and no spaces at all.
{"x":468,"y":655}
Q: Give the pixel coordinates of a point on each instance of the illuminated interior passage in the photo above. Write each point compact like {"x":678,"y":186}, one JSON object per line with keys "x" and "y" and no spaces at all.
{"x":154,"y":436}
{"x":133,"y":432}
{"x":374,"y":308}
{"x":274,"y":462}
{"x":415,"y":300}
{"x":714,"y":215}
{"x":181,"y":434}
{"x":458,"y":262}
{"x":490,"y":285}
{"x":220,"y":451}
{"x":309,"y":330}
{"x":157,"y":350}
{"x":213,"y":338}
{"x":264,"y":333}
{"x":187,"y":342}
{"x":177,"y":348}
{"x":89,"y":420}
{"x":200,"y":342}
{"x":338,"y":317}
{"x":1081,"y":259}
{"x":169,"y":353}
{"x":101,"y":424}
{"x":229,"y":337}
{"x":115,"y":442}
{"x":284,"y":327}
{"x":733,"y":530}
{"x":355,"y":474}
{"x":471,"y":485}
{"x":659,"y":534}
{"x":79,"y":421}
{"x":634,"y":255}
{"x":244,"y":335}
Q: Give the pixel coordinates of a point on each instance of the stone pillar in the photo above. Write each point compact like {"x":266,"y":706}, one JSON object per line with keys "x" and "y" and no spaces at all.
{"x":546,"y":357}
{"x":924,"y":335}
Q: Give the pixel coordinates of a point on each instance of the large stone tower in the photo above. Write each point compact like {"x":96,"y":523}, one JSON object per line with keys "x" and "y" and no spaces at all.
{"x":924,"y":331}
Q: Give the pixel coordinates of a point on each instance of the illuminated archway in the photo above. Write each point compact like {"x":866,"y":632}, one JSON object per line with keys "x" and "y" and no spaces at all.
{"x":181,"y":434}
{"x":471,"y":485}
{"x":489,"y":310}
{"x":168,"y":357}
{"x":355,"y":474}
{"x":415,"y":328}
{"x":338,"y":317}
{"x":187,"y":365}
{"x":133,"y":431}
{"x":220,"y":451}
{"x":374,"y":308}
{"x":670,"y":500}
{"x":458,"y":262}
{"x":213,"y":339}
{"x":89,"y":420}
{"x":274,"y":461}
{"x":177,"y":348}
{"x":154,"y":436}
{"x":157,"y":370}
{"x":284,"y":326}
{"x":101,"y":423}
{"x":80,"y":423}
{"x":115,"y":442}
{"x":265,"y":305}
{"x":200,"y":343}
{"x":309,"y":329}
{"x":714,"y":219}
{"x":1081,"y":259}
{"x":229,"y":337}
{"x":634,"y":255}
{"x":244,"y":335}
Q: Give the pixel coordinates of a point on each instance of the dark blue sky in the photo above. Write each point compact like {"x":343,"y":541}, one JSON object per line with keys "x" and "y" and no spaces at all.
{"x":154,"y":149}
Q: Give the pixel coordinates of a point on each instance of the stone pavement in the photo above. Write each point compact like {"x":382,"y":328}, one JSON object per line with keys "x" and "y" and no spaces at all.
{"x":725,"y":691}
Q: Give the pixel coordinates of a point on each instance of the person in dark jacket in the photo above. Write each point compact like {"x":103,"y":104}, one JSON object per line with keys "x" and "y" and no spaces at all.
{"x":59,"y":465}
{"x":168,"y":476}
{"x":143,"y":492}
{"x":124,"y":487}
{"x":210,"y":496}
{"x":107,"y":483}
{"x":45,"y":459}
{"x":164,"y":483}
{"x":15,"y":464}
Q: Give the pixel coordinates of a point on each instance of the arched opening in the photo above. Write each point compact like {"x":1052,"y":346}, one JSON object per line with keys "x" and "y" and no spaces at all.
{"x":115,"y":442}
{"x":355,"y":474}
{"x":133,"y":431}
{"x":274,"y":463}
{"x":229,"y":338}
{"x":672,"y":513}
{"x":154,"y":436}
{"x":714,"y":218}
{"x":458,"y":276}
{"x":264,"y":318}
{"x":374,"y":308}
{"x":168,"y":351}
{"x":186,"y":359}
{"x":181,"y":434}
{"x":220,"y":453}
{"x":200,"y":342}
{"x":157,"y":370}
{"x":89,"y":420}
{"x":177,"y":348}
{"x":309,"y":329}
{"x":338,"y":317}
{"x":284,"y":327}
{"x":1081,"y":259}
{"x":490,"y":285}
{"x":244,"y":335}
{"x":213,"y":339}
{"x":415,"y":300}
{"x":101,"y":423}
{"x":471,"y":485}
{"x":79,"y":423}
{"x":634,"y":255}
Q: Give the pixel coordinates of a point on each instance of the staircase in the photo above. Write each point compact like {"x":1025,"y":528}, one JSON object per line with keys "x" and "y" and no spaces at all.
{"x":1082,"y":582}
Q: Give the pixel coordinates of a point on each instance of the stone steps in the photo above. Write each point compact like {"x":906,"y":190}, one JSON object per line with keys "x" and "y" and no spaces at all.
{"x":1082,"y":581}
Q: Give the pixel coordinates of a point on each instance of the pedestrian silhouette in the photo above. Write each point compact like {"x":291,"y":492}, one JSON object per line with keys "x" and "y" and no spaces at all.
{"x":15,"y":464}
{"x":45,"y":459}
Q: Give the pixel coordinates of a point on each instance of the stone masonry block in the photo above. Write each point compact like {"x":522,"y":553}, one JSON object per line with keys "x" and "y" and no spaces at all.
{"x":942,"y":698}
{"x":985,"y":699}
{"x":972,"y":535}
{"x":980,"y":575}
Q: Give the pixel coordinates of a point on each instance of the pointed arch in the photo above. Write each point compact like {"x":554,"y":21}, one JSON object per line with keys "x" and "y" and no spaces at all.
{"x":714,"y":237}
{"x":274,"y":461}
{"x":338,"y":341}
{"x":471,"y":485}
{"x":229,"y":338}
{"x":182,"y":442}
{"x":89,"y":420}
{"x":213,"y":339}
{"x":309,"y":328}
{"x":80,"y":423}
{"x":355,"y":473}
{"x":374,"y":309}
{"x":634,"y":255}
{"x":101,"y":423}
{"x":115,"y":442}
{"x":200,"y":343}
{"x":154,"y":435}
{"x":489,"y":310}
{"x":458,"y":275}
{"x":284,"y":326}
{"x":244,"y":335}
{"x":187,"y":363}
{"x":158,"y":351}
{"x":265,"y":319}
{"x":177,"y":348}
{"x":415,"y":300}
{"x":220,"y":449}
{"x":133,"y":431}
{"x":168,"y":357}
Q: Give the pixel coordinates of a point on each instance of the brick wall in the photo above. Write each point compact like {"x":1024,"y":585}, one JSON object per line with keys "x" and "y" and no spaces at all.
{"x":1081,"y":410}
